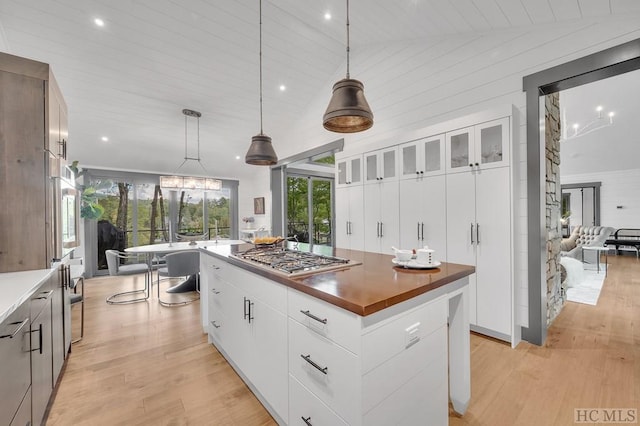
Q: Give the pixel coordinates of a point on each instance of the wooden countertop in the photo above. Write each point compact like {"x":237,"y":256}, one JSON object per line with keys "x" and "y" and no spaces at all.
{"x":364,"y":289}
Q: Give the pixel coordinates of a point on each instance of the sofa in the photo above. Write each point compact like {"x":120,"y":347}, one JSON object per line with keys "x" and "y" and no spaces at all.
{"x":585,"y":236}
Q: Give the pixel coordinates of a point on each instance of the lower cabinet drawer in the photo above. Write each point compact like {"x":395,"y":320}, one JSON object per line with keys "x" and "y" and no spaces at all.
{"x":15,"y":360}
{"x":306,"y":409}
{"x":329,"y":371}
{"x":23,"y":416}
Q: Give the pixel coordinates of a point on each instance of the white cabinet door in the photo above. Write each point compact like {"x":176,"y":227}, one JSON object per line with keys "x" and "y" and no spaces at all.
{"x":461,"y":228}
{"x":381,"y":165}
{"x":493,"y":250}
{"x":424,"y":157}
{"x":349,"y":227}
{"x":349,"y":171}
{"x":492,"y":144}
{"x":411,"y":208}
{"x":460,"y":150}
{"x":389,"y":216}
{"x":269,"y":356}
{"x":381,"y":217}
{"x":433,"y":223}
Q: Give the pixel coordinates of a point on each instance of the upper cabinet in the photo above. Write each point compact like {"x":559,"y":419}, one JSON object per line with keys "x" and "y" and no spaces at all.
{"x":381,"y":165}
{"x":56,"y":143}
{"x":482,"y":146}
{"x":424,"y":157}
{"x":349,"y":171}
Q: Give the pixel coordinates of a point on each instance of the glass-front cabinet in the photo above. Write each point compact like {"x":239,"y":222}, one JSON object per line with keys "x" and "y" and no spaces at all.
{"x":381,"y":165}
{"x":349,"y":171}
{"x":482,"y":146}
{"x":424,"y":157}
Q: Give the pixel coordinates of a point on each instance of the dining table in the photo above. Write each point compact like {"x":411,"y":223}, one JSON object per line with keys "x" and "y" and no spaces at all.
{"x":152,"y":251}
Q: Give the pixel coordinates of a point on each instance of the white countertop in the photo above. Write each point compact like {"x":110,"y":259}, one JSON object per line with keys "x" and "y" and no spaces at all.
{"x":18,"y":287}
{"x":182,"y":245}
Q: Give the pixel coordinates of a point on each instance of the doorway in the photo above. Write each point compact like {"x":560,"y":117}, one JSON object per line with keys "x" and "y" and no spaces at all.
{"x":607,"y":63}
{"x":310,"y":209}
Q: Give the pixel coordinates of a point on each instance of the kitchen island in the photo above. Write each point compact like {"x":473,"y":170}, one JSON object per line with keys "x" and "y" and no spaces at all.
{"x":364,"y":345}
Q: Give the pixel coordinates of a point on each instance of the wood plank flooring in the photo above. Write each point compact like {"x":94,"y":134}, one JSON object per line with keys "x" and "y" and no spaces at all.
{"x":143,"y":364}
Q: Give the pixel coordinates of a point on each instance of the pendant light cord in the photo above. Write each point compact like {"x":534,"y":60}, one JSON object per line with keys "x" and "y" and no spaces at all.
{"x":348,"y":39}
{"x":261,"y":67}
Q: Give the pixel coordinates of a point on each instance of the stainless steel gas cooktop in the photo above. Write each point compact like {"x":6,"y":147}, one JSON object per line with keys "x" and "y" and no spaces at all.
{"x":291,"y":262}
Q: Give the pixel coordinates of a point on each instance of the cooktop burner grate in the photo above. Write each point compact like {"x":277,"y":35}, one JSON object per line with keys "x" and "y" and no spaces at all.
{"x":291,"y":261}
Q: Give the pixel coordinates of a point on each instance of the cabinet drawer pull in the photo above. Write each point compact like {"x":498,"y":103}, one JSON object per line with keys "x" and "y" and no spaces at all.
{"x":477,"y":233}
{"x":214,"y":291}
{"x":215,"y":267}
{"x":310,"y":361}
{"x":49,"y":293}
{"x":310,"y":315}
{"x":213,"y":323}
{"x":307,"y":421}
{"x":18,"y":328}
{"x":472,"y":234}
{"x":39,"y":331}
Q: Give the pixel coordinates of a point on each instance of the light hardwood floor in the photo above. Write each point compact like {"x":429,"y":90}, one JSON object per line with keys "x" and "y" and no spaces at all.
{"x":143,"y":364}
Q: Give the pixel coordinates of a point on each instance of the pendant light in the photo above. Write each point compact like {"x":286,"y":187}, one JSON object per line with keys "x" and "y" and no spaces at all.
{"x":348,"y":110}
{"x":261,"y":151}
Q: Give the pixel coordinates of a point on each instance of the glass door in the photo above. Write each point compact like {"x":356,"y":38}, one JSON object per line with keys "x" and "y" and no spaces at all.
{"x":310,"y":210}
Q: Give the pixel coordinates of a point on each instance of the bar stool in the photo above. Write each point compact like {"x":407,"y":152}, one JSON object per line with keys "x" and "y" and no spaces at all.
{"x":115,"y":269}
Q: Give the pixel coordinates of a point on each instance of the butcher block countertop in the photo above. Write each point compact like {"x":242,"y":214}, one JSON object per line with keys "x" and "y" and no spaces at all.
{"x":365,"y":288}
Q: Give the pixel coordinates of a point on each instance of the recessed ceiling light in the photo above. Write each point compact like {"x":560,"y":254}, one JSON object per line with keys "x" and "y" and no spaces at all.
{"x":327,"y":16}
{"x":611,"y":114}
{"x":599,"y":108}
{"x":237,"y":157}
{"x":105,"y":139}
{"x":283,"y":87}
{"x":575,"y":126}
{"x":99,"y":22}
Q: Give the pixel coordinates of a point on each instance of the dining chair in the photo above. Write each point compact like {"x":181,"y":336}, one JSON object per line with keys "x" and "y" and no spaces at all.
{"x":184,"y":263}
{"x":116,"y":269}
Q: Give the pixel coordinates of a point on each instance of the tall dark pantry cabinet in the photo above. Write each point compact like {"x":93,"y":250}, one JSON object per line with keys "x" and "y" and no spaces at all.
{"x":33,"y":147}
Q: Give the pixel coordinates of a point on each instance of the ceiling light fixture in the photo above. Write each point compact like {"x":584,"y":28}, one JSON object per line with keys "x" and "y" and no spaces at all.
{"x":327,"y":16}
{"x":348,"y":110}
{"x":99,"y":22}
{"x":105,"y":139}
{"x":283,"y":87}
{"x":190,"y":182}
{"x":261,"y":152}
{"x":596,"y":124}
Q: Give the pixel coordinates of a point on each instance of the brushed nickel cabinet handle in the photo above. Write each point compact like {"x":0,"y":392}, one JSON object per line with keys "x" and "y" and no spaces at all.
{"x":310,"y":315}
{"x":213,"y":323}
{"x":307,"y":358}
{"x":307,"y":421}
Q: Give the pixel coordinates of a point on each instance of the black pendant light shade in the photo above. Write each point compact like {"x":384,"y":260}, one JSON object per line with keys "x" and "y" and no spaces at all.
{"x":261,"y":152}
{"x":348,"y":110}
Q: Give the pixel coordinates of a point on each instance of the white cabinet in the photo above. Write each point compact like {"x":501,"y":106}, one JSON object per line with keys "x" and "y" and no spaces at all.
{"x":247,"y":321}
{"x":423,"y":214}
{"x":424,"y":157}
{"x":349,"y":228}
{"x":349,"y":171}
{"x":345,"y":369}
{"x":381,"y":165}
{"x":482,"y":146}
{"x":381,"y":219}
{"x":479,"y":233}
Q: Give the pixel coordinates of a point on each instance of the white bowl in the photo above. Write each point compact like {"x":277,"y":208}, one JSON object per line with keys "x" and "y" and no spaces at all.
{"x":404,"y":255}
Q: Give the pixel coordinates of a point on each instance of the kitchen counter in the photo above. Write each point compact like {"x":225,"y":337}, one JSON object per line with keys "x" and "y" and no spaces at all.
{"x":18,"y":287}
{"x":366,"y":288}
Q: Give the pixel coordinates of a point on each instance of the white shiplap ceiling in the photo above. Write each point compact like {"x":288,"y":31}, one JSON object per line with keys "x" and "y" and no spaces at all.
{"x":130,"y":79}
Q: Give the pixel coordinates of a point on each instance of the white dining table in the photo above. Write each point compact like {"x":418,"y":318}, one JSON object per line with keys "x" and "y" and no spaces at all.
{"x":152,"y":250}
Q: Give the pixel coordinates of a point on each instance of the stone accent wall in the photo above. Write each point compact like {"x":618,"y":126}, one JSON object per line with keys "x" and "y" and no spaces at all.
{"x":556,"y":295}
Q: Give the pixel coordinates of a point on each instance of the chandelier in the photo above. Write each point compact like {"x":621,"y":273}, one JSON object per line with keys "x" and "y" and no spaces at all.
{"x":599,"y":122}
{"x":190,"y":182}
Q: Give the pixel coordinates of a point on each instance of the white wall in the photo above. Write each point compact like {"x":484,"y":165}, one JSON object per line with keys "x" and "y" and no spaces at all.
{"x":410,"y":86}
{"x":619,"y":196}
{"x":248,"y":189}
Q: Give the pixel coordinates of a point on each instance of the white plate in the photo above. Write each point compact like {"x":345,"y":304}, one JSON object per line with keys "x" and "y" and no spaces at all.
{"x":412,"y":264}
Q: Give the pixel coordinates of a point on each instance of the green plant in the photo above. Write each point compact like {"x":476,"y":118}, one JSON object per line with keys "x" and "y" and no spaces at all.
{"x":89,"y":206}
